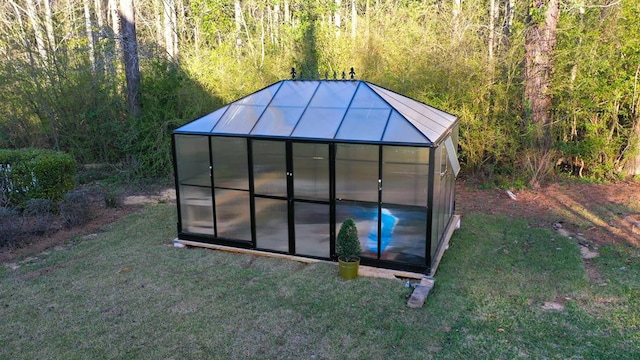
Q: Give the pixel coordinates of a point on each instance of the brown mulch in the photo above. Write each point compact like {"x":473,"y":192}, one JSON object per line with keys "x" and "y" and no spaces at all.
{"x":598,"y":213}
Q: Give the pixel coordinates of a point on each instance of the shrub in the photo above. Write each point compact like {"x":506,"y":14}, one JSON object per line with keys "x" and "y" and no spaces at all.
{"x":34,"y":173}
{"x":112,"y":198}
{"x":40,"y":212}
{"x":10,"y":227}
{"x":75,"y":209}
{"x":347,"y":244}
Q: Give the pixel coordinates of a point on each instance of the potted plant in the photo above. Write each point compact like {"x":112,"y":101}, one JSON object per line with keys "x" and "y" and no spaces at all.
{"x":348,"y":250}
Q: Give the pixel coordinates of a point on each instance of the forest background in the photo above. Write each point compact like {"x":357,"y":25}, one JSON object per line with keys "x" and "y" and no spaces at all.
{"x":542,"y":87}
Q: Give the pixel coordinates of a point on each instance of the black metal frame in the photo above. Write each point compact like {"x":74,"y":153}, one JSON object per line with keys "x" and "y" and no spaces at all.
{"x":378,"y":262}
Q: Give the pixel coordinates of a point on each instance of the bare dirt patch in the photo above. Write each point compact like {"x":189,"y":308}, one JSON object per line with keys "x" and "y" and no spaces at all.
{"x":597,"y":214}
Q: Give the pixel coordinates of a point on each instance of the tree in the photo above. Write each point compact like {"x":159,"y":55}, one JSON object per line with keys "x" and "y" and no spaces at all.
{"x":130,"y":55}
{"x":540,"y":43}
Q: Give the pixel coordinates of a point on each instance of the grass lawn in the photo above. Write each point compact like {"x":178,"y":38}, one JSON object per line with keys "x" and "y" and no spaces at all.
{"x":127,"y":293}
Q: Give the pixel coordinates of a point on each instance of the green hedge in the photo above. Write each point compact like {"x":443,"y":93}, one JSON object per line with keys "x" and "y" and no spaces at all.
{"x":34,"y":174}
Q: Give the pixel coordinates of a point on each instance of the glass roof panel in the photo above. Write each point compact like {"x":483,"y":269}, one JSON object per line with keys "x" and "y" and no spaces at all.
{"x":363,"y":124}
{"x":295,"y":93}
{"x":335,"y":94}
{"x":400,"y":130}
{"x":319,"y":123}
{"x":203,"y":124}
{"x":239,"y":119}
{"x":278,"y":121}
{"x":367,"y":98}
{"x":262,"y":97}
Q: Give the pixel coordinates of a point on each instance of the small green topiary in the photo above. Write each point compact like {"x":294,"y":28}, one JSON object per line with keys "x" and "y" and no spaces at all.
{"x":347,"y":245}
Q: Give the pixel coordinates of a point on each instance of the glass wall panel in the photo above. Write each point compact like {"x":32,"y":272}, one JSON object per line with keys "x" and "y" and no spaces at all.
{"x":230,"y":168}
{"x":403,"y":235}
{"x":405,"y":173}
{"x":312,"y":229}
{"x":272,"y":224}
{"x":311,"y":171}
{"x":357,"y":172}
{"x":269,"y":167}
{"x":365,"y":215}
{"x":192,"y":157}
{"x":233,"y":214}
{"x":196,"y":209}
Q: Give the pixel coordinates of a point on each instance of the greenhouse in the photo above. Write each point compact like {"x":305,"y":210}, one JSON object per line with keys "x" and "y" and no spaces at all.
{"x":279,"y":171}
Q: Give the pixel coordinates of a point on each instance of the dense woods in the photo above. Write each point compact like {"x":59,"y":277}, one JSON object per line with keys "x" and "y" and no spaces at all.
{"x":542,"y":87}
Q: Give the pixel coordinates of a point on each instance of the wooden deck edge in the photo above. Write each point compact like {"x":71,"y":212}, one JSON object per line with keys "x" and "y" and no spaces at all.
{"x":453,"y":225}
{"x":368,"y":271}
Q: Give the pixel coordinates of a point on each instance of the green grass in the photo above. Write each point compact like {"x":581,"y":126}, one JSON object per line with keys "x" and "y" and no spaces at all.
{"x":129,"y":294}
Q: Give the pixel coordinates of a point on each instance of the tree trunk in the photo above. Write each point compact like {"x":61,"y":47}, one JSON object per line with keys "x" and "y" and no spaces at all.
{"x":48,"y":22}
{"x":493,"y":12}
{"x":337,"y":21}
{"x":170,"y":28}
{"x":33,"y":19}
{"x":354,"y":20}
{"x":130,"y":54}
{"x":633,"y":164}
{"x":89,"y":31}
{"x":238,"y":21}
{"x":540,"y":42}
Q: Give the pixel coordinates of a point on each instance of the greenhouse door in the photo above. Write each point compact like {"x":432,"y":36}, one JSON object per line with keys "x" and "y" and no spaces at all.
{"x":291,"y":197}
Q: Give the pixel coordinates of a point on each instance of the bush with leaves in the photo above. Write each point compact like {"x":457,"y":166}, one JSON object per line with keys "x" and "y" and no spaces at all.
{"x":75,"y":209}
{"x":347,"y":245}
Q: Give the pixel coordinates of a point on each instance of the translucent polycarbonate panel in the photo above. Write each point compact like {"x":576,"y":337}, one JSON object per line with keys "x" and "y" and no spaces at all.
{"x":230,"y":168}
{"x":405,"y":174}
{"x":262,"y":97}
{"x":403,"y":237}
{"x":357,"y":172}
{"x":192,"y":159}
{"x":278,"y":121}
{"x":319,"y":123}
{"x":430,"y":117}
{"x":365,"y":215}
{"x":334,"y":94}
{"x":405,"y":154}
{"x":295,"y":93}
{"x":239,"y":119}
{"x":368,"y":99}
{"x":196,"y":209}
{"x":233,"y":215}
{"x":272,"y":224}
{"x":312,"y":229}
{"x":269,"y":167}
{"x":405,"y":184}
{"x":400,"y":130}
{"x":204,"y":124}
{"x":363,"y":124}
{"x":311,"y":171}
{"x":437,"y":201}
